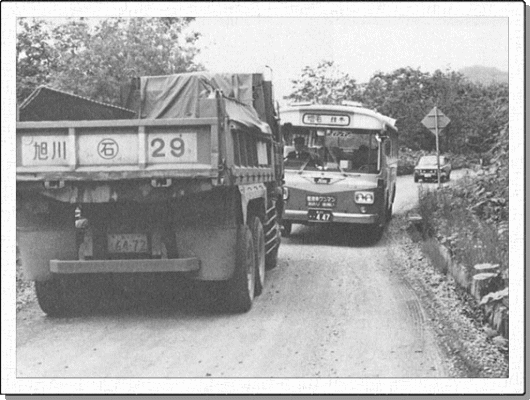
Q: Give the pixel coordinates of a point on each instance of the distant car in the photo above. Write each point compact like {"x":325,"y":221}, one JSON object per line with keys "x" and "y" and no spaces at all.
{"x":426,"y":169}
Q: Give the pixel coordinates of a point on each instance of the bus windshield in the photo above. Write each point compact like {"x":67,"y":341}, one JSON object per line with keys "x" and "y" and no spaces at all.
{"x":325,"y":149}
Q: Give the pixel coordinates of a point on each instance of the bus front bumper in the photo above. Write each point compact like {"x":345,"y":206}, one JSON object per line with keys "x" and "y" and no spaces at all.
{"x":300,"y":216}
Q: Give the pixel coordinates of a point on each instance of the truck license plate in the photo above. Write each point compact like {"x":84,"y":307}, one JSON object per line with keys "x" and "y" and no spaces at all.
{"x":319,"y":215}
{"x":127,"y":243}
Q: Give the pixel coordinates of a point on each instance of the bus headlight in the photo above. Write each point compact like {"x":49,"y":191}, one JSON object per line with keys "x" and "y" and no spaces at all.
{"x":285,"y":193}
{"x":364,"y":197}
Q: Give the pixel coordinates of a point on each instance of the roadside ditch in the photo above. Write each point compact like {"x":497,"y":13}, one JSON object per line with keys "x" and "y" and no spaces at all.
{"x":474,"y":349}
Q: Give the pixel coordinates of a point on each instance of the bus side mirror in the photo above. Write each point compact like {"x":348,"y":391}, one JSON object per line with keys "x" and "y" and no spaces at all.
{"x":381,"y":137}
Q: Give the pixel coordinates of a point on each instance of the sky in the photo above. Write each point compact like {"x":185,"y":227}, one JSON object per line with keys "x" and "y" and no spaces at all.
{"x":359,"y":46}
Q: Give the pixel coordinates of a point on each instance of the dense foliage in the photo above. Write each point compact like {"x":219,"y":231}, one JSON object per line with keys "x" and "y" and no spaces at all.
{"x":407,"y":94}
{"x":471,"y":217}
{"x":94,"y":60}
{"x":325,"y":84}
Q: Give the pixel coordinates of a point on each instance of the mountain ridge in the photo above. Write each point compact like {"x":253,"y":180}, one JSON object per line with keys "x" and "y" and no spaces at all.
{"x":484,"y":75}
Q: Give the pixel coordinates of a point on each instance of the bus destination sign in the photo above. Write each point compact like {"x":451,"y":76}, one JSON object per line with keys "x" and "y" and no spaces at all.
{"x":326,"y":119}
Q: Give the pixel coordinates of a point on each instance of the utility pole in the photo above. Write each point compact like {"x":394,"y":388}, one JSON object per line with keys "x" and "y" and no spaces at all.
{"x":437,"y":145}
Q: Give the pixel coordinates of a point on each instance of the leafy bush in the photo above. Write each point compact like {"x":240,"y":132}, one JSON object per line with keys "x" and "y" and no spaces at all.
{"x":472,"y":240}
{"x":471,"y":217}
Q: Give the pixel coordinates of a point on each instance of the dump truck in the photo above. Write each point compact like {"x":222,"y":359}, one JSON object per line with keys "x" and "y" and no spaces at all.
{"x":187,"y":185}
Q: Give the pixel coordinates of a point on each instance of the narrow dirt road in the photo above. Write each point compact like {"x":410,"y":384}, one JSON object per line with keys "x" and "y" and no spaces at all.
{"x":332,"y":308}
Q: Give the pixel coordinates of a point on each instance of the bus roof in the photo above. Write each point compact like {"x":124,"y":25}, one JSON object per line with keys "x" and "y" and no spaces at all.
{"x":361,"y":118}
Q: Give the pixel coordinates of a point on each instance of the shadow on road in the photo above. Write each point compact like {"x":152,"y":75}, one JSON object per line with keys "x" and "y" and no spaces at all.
{"x":333,"y":235}
{"x":161,"y":297}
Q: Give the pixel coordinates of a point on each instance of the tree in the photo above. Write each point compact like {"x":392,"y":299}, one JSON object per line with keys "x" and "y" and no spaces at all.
{"x":35,"y":56}
{"x":325,"y":84}
{"x":401,"y":95}
{"x":477,"y":112}
{"x":94,"y":61}
{"x":408,"y":94}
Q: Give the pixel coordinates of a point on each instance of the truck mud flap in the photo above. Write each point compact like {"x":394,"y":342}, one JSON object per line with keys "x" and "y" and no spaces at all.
{"x":45,"y":231}
{"x":215,"y":246}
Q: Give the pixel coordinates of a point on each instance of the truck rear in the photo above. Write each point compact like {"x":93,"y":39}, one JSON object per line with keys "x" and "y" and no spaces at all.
{"x":188,"y":189}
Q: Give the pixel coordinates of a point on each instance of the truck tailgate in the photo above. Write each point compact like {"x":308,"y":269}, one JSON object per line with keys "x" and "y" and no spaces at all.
{"x":117,"y":149}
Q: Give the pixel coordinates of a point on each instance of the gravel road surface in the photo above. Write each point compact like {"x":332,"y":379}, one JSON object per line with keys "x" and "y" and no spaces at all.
{"x":334,"y":307}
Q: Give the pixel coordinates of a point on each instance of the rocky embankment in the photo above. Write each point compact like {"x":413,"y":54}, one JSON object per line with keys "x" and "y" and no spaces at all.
{"x":476,"y":351}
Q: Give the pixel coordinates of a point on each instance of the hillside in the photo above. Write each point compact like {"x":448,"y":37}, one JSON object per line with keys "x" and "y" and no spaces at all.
{"x":485,"y":75}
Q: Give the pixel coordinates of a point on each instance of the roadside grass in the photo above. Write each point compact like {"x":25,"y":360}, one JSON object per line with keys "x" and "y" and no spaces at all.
{"x":24,"y":288}
{"x":449,"y":218}
{"x":429,"y":246}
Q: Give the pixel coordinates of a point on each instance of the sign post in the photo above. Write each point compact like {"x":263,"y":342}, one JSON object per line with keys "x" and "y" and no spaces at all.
{"x":436,"y":121}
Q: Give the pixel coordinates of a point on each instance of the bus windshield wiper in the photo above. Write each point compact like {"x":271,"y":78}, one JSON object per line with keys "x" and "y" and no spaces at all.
{"x":305,"y":165}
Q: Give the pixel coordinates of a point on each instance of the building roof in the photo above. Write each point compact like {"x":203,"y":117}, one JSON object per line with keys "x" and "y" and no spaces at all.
{"x":47,"y":104}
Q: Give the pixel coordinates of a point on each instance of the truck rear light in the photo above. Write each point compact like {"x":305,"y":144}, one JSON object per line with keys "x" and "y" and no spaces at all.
{"x":161,"y":182}
{"x":285,"y":193}
{"x":54,"y":184}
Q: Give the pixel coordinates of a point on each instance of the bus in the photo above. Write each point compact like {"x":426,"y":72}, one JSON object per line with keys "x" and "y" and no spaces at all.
{"x":340,"y":166}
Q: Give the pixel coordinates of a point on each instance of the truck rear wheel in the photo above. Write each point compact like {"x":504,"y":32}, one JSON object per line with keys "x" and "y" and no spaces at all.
{"x":50,"y":297}
{"x":389,"y":213}
{"x":271,"y":260}
{"x":287,"y":227}
{"x":241,"y":287}
{"x":68,"y":295}
{"x":258,"y":237}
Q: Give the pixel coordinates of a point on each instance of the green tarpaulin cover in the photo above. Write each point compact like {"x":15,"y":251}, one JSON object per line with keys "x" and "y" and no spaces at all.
{"x":177,"y":96}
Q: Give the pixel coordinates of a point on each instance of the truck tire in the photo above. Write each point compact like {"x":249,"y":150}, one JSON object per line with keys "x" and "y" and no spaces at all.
{"x":287,"y":227}
{"x":69,"y":295}
{"x":271,"y":258}
{"x":83,"y":293}
{"x":50,"y":297}
{"x":258,"y":237}
{"x":389,"y":213}
{"x":241,"y":287}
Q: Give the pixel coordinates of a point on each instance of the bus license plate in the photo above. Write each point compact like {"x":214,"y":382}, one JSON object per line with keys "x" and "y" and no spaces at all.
{"x":127,"y":243}
{"x":319,"y":215}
